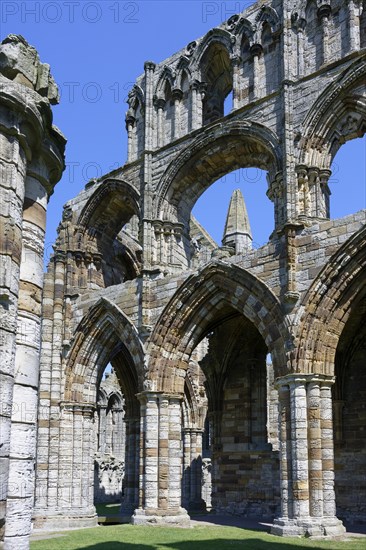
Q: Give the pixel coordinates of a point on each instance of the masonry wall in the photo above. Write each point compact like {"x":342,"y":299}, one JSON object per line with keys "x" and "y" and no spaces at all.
{"x":136,"y":282}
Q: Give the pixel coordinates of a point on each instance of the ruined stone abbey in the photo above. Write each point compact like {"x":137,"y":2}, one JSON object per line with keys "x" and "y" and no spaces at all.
{"x":150,"y":365}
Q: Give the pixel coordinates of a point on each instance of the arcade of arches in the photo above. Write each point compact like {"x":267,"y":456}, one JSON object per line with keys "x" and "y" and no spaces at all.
{"x":237,"y":381}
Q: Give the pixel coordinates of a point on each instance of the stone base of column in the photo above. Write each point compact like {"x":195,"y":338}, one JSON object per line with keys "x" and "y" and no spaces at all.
{"x":175,"y":518}
{"x":65,"y":520}
{"x":16,"y":543}
{"x":322,"y":528}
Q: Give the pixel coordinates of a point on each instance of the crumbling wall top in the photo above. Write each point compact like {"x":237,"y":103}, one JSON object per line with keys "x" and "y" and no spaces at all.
{"x":20,"y":62}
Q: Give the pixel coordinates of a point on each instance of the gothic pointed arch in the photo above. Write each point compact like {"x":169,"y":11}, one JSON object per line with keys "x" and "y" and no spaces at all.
{"x":218,"y":290}
{"x":244,"y":28}
{"x":219,"y":151}
{"x":214,"y":36}
{"x":104,"y":333}
{"x":182,"y":70}
{"x":111,"y":205}
{"x":339,"y":114}
{"x":136,"y":97}
{"x":167,"y":76}
{"x":328,"y":304}
{"x":102,"y":397}
{"x":211,"y":64}
{"x":268,"y":15}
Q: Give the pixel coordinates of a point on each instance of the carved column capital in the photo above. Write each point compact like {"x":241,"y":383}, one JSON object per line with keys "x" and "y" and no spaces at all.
{"x":256,"y":50}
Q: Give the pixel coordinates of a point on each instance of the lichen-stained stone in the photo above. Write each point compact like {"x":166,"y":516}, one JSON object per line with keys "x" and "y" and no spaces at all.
{"x":31,"y":162}
{"x":229,"y":359}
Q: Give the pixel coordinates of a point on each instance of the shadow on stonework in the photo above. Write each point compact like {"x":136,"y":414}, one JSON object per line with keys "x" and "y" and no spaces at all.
{"x":210,"y":544}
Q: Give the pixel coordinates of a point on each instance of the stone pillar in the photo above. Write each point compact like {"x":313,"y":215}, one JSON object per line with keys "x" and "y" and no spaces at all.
{"x":161,"y":461}
{"x":151,"y":450}
{"x":285,"y":451}
{"x":276,"y":193}
{"x":169,"y":242}
{"x":131,"y":478}
{"x":159,"y":248}
{"x":186,"y":486}
{"x":73,"y":504}
{"x":163,"y":452}
{"x":312,"y":192}
{"x":160,"y":104}
{"x":306,"y":452}
{"x":236,"y":63}
{"x":198,"y":95}
{"x":175,"y":452}
{"x":300,"y":27}
{"x":315,"y":450}
{"x":12,"y":175}
{"x":324,"y":194}
{"x":196,"y":499}
{"x":303,"y":196}
{"x":131,"y":137}
{"x":327,"y":450}
{"x":149,"y":67}
{"x":177,"y":98}
{"x":256,"y":51}
{"x":299,"y":448}
{"x":324,"y":12}
{"x":31,"y":163}
{"x":319,"y":192}
{"x":102,"y":427}
{"x":194,"y":105}
{"x":25,"y":393}
{"x":353,"y":27}
{"x":192,"y":469}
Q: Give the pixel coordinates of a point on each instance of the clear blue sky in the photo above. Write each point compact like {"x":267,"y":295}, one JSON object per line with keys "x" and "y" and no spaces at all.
{"x":96,"y":50}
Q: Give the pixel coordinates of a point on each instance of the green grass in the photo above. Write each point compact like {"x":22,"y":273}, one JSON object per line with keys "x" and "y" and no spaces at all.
{"x":129,"y":537}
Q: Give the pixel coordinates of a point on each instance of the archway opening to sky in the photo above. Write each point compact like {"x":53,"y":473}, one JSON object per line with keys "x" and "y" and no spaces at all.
{"x":212,"y":207}
{"x":348,"y":180}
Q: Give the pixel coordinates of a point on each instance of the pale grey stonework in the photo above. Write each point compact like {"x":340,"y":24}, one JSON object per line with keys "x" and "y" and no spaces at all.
{"x":201,"y":419}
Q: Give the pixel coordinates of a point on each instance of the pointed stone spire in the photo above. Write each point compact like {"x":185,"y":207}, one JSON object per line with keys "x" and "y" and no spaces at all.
{"x":237,"y":231}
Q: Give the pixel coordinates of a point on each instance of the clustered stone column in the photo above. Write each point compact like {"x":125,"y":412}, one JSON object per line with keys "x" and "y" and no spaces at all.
{"x":131,"y":480}
{"x":192,"y":469}
{"x":276,"y":193}
{"x":31,"y":163}
{"x":256,"y":51}
{"x":74,"y":482}
{"x":299,"y":24}
{"x":160,"y":103}
{"x":306,"y":452}
{"x":324,"y":12}
{"x":353,"y":26}
{"x":198,"y":90}
{"x":313,"y":192}
{"x":177,"y":95}
{"x":168,"y":241}
{"x":131,"y":137}
{"x":160,"y":460}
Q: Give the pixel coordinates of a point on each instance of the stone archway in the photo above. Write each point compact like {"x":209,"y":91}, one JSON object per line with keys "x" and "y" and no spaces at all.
{"x":221,"y":149}
{"x":328,"y":305}
{"x":331,"y":350}
{"x":104,"y":335}
{"x":196,"y":303}
{"x":216,"y":295}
